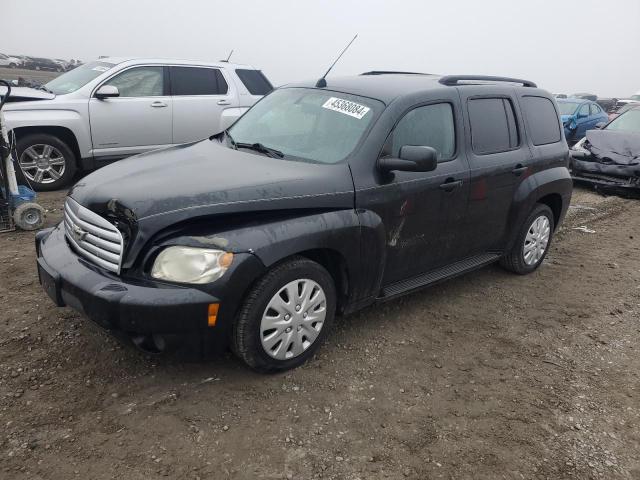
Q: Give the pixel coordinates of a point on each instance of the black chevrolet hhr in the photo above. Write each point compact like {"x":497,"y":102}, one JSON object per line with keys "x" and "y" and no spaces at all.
{"x":321,"y":199}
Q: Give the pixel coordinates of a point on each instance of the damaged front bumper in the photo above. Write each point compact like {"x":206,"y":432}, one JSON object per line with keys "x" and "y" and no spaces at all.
{"x":132,"y":307}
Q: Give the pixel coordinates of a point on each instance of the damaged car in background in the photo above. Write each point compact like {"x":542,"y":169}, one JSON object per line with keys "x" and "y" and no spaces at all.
{"x":609,"y":158}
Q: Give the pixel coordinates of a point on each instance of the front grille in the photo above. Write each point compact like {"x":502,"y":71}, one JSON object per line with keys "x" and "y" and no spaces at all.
{"x":93,"y":237}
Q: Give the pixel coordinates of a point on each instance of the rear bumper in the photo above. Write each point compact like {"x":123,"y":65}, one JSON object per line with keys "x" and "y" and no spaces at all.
{"x":111,"y":302}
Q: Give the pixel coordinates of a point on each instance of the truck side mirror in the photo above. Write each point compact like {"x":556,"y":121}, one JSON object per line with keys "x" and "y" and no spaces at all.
{"x":107,"y":91}
{"x":412,"y":158}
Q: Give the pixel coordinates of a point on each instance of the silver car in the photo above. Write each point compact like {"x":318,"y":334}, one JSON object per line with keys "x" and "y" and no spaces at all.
{"x":113,"y":108}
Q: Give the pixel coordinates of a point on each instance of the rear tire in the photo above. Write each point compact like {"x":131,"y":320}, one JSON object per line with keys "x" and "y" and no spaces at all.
{"x":533,"y":242}
{"x":285,"y":316}
{"x":40,"y":174}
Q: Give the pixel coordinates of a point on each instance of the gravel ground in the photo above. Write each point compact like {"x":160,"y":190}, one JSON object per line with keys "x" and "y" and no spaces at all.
{"x":489,"y":375}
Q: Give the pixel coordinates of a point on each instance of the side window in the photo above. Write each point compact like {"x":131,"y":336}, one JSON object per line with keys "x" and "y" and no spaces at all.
{"x":255,"y":81}
{"x":595,"y":109}
{"x":493,"y":125}
{"x":584,"y":110}
{"x":197,"y":81}
{"x":139,"y":82}
{"x":542,"y":120}
{"x":431,"y":126}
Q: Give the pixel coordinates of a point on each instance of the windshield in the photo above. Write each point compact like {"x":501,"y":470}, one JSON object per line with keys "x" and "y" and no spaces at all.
{"x":627,"y":122}
{"x":635,"y":97}
{"x":307,"y":124}
{"x":78,"y":77}
{"x":567,"y":108}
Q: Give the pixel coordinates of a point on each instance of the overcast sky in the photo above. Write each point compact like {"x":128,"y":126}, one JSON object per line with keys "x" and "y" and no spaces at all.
{"x":565,"y":46}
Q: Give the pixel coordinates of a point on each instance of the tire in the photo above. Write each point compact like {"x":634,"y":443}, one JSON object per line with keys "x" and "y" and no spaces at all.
{"x":35,"y":144}
{"x":13,"y":65}
{"x":515,"y":261}
{"x":286,"y":342}
{"x":29,"y":216}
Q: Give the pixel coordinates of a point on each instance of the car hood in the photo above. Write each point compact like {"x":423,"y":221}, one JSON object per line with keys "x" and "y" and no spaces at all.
{"x":22,"y":94}
{"x":206,"y":178}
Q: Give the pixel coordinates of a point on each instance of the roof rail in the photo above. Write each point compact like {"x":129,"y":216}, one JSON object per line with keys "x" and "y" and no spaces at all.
{"x":456,"y":79}
{"x":391,"y":72}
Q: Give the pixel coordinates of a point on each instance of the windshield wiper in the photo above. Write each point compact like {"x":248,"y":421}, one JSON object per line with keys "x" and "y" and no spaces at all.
{"x":258,"y":147}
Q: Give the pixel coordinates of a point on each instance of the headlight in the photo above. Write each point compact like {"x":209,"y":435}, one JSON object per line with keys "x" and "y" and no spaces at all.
{"x":579,"y":147}
{"x":191,"y":265}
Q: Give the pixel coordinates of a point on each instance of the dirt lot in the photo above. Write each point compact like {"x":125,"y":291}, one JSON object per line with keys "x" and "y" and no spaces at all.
{"x":488,"y":376}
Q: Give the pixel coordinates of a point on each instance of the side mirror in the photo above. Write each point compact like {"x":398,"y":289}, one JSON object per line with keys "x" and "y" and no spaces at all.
{"x":601,"y":125}
{"x":412,"y":158}
{"x":107,"y":91}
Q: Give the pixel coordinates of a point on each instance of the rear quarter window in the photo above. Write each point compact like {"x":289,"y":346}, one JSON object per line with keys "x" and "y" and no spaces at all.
{"x":255,"y":81}
{"x":542,"y":120}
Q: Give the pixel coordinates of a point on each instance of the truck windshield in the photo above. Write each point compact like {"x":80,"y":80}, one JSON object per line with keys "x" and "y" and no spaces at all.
{"x":307,"y":124}
{"x":78,"y":77}
{"x":627,"y":122}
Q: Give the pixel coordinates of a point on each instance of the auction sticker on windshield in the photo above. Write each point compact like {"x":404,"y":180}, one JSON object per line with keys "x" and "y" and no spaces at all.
{"x":345,"y":106}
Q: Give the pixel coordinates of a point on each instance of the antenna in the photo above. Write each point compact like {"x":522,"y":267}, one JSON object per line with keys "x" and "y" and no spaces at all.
{"x":227,"y":60}
{"x":321,"y":83}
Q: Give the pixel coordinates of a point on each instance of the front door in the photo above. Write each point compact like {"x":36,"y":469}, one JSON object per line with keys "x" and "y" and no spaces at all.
{"x":139,"y":119}
{"x":421,"y":210}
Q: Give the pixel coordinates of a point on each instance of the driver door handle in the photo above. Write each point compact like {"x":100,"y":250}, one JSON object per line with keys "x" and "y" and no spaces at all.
{"x":519,"y":169}
{"x":158,"y":104}
{"x":450,"y":184}
{"x":224,"y":102}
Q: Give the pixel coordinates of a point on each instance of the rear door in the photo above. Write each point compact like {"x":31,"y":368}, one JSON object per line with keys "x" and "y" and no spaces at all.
{"x":200,"y":96}
{"x":499,"y":160}
{"x":136,"y":121}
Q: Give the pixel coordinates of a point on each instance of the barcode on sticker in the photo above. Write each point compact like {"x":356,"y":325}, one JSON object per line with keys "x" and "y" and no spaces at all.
{"x":345,"y":106}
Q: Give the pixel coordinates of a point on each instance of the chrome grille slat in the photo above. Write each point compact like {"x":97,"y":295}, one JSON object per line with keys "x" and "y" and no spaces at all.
{"x":94,"y":229}
{"x":99,"y":241}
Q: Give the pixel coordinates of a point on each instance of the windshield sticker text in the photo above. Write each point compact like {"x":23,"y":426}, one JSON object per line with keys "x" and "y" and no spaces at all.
{"x":352,"y":109}
{"x":100,"y":69}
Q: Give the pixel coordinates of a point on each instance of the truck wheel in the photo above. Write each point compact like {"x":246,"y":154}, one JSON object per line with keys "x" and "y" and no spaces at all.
{"x":29,"y":216}
{"x":285,"y":317}
{"x":532,"y":243}
{"x":46,"y":162}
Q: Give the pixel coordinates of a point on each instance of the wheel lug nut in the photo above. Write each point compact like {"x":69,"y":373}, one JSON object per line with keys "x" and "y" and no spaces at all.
{"x":288,"y":329}
{"x":304,"y":314}
{"x":299,"y":328}
{"x":287,"y":316}
{"x":297,"y":308}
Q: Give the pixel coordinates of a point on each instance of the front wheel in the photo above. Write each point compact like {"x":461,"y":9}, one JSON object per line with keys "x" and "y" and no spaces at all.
{"x":286,"y":316}
{"x":46,"y":162}
{"x":532,"y":243}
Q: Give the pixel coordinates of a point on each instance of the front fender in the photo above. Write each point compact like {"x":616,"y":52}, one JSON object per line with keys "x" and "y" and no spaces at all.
{"x":280,"y":236}
{"x":69,"y":119}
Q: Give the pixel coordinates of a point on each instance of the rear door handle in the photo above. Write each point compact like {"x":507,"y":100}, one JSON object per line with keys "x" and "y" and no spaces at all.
{"x":450,"y":184}
{"x":158,"y":104}
{"x":224,"y":102}
{"x":519,"y":170}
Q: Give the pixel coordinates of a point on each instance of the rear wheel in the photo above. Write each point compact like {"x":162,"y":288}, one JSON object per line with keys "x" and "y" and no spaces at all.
{"x":46,"y":162}
{"x":533,"y":242}
{"x":286,"y":316}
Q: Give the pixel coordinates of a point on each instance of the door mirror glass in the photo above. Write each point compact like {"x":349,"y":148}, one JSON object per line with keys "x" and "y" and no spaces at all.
{"x":412,"y":158}
{"x":107,"y":91}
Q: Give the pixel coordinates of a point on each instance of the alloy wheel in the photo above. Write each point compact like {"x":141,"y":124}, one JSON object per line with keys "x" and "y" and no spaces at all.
{"x":42,"y":163}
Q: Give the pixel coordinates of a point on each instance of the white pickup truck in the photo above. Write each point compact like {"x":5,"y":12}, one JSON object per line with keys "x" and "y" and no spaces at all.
{"x":116,"y":107}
